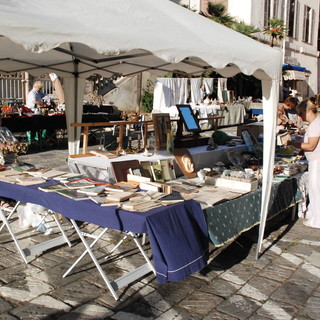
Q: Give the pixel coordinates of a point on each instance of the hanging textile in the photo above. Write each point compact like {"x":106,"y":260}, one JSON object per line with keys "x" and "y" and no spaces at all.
{"x":195,"y":90}
{"x":208,"y":83}
{"x":222,"y":86}
{"x":179,"y":91}
{"x":169,"y":92}
{"x":162,"y":96}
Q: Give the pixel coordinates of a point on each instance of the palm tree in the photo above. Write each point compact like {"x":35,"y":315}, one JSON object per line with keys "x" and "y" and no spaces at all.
{"x":245,"y":29}
{"x":276,"y":29}
{"x":217,"y":12}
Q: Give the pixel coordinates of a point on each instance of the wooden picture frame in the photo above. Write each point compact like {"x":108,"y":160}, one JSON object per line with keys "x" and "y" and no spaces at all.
{"x":161,"y":126}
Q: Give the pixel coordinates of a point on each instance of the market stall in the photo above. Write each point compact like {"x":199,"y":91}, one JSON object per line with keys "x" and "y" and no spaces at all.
{"x":178,"y":232}
{"x":68,"y":45}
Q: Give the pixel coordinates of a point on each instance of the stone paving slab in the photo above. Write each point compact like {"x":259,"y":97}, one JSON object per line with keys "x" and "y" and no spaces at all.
{"x":283,"y":284}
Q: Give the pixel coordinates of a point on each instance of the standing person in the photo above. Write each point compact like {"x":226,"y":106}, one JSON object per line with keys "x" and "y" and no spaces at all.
{"x":308,"y":111}
{"x":34,"y":98}
{"x":34,"y":101}
{"x":287,"y":114}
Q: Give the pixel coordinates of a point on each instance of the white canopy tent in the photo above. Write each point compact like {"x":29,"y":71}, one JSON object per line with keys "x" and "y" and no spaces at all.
{"x":77,"y":38}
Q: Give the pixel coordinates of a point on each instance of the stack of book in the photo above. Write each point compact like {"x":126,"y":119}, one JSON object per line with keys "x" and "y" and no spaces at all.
{"x":86,"y":188}
{"x":156,"y":186}
{"x":68,"y":176}
{"x":29,"y":180}
{"x":10,"y":176}
{"x":76,"y":189}
{"x":113,"y":198}
{"x":104,"y":154}
{"x":174,"y":197}
{"x":140,"y":206}
{"x":72,"y":194}
{"x":45,"y":173}
{"x":52,"y":188}
{"x":122,"y":186}
{"x":84,"y":183}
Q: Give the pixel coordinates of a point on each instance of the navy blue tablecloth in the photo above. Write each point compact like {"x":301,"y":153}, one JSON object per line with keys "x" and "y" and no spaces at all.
{"x":178,"y":233}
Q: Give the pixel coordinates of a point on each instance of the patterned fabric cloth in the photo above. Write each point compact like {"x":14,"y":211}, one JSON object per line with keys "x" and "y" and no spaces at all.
{"x":228,"y":220}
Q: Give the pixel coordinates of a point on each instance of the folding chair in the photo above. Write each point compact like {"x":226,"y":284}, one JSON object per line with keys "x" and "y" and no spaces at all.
{"x":126,"y":279}
{"x":35,"y":249}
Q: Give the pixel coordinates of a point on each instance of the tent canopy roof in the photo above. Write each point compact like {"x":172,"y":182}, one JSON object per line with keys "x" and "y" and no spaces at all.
{"x":125,"y":37}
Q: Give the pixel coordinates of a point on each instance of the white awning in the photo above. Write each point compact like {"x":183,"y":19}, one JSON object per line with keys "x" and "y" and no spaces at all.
{"x":294,"y":75}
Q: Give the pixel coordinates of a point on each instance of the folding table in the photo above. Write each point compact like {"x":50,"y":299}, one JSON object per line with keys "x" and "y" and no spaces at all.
{"x":178,"y":233}
{"x":35,"y":249}
{"x":126,"y":279}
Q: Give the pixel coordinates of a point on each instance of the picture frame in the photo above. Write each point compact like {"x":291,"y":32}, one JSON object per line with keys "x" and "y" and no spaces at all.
{"x":190,"y":121}
{"x":161,"y":126}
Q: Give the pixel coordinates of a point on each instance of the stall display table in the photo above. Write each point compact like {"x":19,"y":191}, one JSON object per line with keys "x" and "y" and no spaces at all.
{"x":38,"y":123}
{"x":177,"y":233}
{"x":43,"y":127}
{"x":233,"y":115}
{"x":34,"y":122}
{"x":228,"y":220}
{"x":100,"y":168}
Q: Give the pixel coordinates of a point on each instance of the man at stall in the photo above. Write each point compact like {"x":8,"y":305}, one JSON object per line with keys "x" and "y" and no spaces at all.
{"x":34,"y":101}
{"x":35,"y":96}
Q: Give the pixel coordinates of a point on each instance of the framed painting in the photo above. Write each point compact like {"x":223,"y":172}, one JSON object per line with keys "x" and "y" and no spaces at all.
{"x":161,"y":126}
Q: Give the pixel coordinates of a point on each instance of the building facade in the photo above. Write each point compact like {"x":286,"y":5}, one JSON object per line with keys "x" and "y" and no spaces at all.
{"x":300,"y":47}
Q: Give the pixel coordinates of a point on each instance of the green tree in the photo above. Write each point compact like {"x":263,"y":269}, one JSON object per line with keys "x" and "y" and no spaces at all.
{"x":246,"y":29}
{"x":276,"y":30}
{"x":147,"y":97}
{"x":217,"y":13}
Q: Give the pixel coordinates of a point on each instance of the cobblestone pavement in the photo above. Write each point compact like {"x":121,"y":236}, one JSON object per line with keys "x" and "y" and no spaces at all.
{"x":283,"y":284}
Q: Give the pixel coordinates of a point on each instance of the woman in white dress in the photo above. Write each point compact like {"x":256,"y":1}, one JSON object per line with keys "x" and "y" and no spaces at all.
{"x":308,"y":111}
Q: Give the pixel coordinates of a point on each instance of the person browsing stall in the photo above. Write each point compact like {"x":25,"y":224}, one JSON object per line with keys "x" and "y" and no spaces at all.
{"x":287,"y":114}
{"x":35,"y":96}
{"x":308,"y":111}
